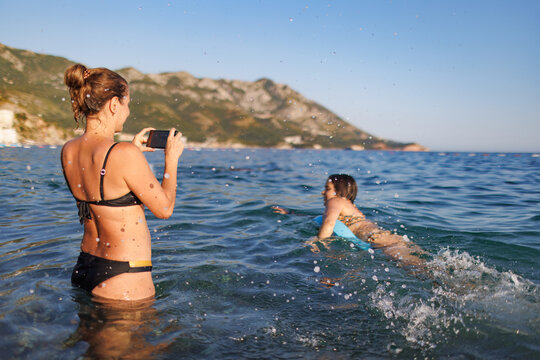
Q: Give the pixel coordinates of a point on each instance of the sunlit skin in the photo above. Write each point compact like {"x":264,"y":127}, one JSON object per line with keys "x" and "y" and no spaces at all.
{"x":120,"y":233}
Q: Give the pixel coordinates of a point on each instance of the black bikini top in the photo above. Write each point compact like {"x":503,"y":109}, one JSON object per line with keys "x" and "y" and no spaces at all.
{"x":128,"y":199}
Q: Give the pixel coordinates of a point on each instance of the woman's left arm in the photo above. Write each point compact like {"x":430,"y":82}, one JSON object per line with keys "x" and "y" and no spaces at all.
{"x":331,"y":214}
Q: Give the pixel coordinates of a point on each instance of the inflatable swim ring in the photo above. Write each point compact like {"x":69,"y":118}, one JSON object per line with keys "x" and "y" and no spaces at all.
{"x":341,"y":230}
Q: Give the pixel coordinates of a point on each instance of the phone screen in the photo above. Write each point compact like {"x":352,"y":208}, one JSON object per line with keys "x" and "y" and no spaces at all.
{"x":158,"y":138}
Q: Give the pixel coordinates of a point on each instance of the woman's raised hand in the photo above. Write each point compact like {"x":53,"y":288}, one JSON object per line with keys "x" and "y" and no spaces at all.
{"x":175,"y":146}
{"x":140,"y":140}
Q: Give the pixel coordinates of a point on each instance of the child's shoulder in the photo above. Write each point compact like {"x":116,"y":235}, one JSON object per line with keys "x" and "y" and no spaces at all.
{"x":338,"y":201}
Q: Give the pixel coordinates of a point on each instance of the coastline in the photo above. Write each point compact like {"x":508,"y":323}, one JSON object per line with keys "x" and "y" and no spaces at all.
{"x":56,"y":141}
{"x":195,"y":146}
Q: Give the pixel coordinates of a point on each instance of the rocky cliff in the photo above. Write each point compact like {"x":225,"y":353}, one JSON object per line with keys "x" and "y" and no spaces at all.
{"x":209,"y":112}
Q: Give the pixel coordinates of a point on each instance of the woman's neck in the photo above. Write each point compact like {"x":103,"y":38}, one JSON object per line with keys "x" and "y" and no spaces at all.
{"x":96,"y":127}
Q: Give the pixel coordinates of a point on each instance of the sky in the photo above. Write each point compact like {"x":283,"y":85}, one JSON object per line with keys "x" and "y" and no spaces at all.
{"x":450,"y":75}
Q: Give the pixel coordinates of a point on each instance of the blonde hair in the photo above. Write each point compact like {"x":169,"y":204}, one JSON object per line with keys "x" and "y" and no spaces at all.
{"x":90,"y":89}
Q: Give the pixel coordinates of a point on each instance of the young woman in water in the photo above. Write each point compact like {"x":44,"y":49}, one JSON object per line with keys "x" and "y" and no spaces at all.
{"x":338,"y":195}
{"x":112,"y":182}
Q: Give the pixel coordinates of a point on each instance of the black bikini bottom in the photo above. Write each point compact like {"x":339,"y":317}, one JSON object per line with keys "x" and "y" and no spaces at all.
{"x":91,"y":270}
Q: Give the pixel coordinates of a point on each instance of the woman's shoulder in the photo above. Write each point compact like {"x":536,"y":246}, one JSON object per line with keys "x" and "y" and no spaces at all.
{"x":70,"y":148}
{"x":127,"y":147}
{"x":69,"y":144}
{"x":126,"y":154}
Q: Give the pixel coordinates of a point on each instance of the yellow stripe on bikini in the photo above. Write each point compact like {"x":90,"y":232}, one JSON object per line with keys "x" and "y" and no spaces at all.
{"x":140,"y":263}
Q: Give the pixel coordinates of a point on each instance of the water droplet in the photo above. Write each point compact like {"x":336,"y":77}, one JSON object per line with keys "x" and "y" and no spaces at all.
{"x":28,"y":167}
{"x":88,"y":95}
{"x":291,"y":19}
{"x":97,"y":239}
{"x":374,"y":277}
{"x":166,"y":175}
{"x":316,"y":269}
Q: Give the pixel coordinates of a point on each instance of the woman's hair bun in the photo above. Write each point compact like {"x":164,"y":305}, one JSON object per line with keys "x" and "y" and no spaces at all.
{"x":74,"y":76}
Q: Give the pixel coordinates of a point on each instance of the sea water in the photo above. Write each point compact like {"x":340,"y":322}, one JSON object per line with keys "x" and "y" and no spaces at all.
{"x":235,"y":280}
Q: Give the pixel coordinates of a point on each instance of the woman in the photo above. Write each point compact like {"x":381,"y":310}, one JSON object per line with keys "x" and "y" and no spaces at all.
{"x":338,"y":195}
{"x":112,"y":182}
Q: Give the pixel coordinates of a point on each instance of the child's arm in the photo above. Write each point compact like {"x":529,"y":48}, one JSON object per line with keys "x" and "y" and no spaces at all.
{"x":331,"y":214}
{"x":280,"y":210}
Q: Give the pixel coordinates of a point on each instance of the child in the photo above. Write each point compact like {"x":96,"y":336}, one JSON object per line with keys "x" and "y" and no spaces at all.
{"x":339,"y":194}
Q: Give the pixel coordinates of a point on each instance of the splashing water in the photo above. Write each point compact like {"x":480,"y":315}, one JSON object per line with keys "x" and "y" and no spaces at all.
{"x":465,"y":291}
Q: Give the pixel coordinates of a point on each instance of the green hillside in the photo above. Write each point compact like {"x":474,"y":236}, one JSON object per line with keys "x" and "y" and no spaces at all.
{"x":260,"y":113}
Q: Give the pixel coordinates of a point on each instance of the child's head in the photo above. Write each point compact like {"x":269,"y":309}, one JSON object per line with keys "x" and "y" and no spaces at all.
{"x":344,"y":185}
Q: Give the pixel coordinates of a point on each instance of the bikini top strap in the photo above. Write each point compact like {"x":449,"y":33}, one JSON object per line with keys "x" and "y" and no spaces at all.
{"x":103,"y":171}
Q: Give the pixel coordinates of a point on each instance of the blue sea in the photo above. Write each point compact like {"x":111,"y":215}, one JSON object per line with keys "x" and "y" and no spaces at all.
{"x":235,"y":280}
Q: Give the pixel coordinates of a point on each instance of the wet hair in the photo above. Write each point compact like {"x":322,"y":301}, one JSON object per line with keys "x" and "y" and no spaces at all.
{"x":90,"y":89}
{"x":345,"y":186}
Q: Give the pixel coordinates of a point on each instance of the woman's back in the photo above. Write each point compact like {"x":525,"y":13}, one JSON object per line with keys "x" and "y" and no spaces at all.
{"x":112,"y":232}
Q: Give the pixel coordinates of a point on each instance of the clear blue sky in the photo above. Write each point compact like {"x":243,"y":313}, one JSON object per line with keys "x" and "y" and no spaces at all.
{"x":450,"y":75}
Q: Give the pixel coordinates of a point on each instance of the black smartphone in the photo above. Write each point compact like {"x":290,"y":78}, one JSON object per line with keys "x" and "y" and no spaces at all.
{"x":158,"y":138}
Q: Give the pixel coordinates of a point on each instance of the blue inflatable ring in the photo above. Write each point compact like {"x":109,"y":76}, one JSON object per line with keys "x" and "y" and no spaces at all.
{"x":341,"y":230}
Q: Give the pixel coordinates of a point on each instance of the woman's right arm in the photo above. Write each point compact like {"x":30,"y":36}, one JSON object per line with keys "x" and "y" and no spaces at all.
{"x":173,"y":151}
{"x":158,"y":198}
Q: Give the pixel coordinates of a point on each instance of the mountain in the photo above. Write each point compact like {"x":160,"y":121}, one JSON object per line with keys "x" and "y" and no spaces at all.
{"x":207,"y":111}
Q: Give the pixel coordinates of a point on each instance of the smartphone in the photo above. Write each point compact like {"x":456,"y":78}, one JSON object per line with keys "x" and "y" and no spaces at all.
{"x":158,"y":138}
